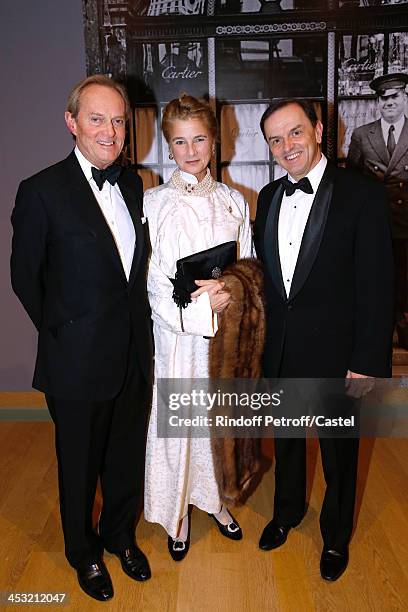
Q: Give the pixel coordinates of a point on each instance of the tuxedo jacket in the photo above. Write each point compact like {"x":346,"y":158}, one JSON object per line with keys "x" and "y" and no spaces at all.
{"x":67,"y":272}
{"x":339,"y":313}
{"x":369,"y":153}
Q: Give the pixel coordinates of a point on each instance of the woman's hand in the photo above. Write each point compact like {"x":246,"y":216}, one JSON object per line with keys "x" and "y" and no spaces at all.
{"x":219,"y":298}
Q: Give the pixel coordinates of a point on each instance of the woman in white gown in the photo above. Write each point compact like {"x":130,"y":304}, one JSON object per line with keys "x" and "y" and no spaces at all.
{"x":188,"y":214}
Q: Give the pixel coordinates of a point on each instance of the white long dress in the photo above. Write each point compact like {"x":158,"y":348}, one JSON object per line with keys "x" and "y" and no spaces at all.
{"x":180,"y":471}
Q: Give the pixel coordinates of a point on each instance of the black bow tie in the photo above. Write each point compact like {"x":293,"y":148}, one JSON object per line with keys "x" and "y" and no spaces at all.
{"x":110,"y":174}
{"x":303,"y":185}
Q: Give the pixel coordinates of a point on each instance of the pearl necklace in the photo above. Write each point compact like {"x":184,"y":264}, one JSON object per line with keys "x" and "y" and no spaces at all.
{"x":203,"y":188}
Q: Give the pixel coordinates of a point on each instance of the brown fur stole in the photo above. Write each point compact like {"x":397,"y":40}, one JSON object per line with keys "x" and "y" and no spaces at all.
{"x":236,"y":352}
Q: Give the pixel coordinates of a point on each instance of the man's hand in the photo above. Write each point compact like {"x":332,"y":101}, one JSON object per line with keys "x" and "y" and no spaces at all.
{"x":358,"y":385}
{"x":219,"y":299}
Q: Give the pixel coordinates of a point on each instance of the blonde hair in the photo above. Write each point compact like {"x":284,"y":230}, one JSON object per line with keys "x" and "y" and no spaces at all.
{"x":187,"y":107}
{"x":74,"y":98}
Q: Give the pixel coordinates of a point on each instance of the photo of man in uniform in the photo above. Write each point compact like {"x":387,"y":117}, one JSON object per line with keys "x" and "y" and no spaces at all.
{"x":380,"y":149}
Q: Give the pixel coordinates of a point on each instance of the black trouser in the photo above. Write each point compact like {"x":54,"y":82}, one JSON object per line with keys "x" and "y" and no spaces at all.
{"x":324,"y":397}
{"x":400,"y":249}
{"x":105,"y":439}
{"x":339,"y":459}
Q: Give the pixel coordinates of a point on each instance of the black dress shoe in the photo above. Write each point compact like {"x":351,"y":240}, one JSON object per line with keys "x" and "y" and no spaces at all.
{"x":273,"y":536}
{"x":94,"y":579}
{"x":134,"y":563}
{"x":333,"y":563}
{"x":232,"y":531}
{"x":178,"y":548}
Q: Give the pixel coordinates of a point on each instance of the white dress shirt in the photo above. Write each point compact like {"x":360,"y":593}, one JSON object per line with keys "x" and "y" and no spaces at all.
{"x":293,"y":216}
{"x":116,"y":214}
{"x":398,"y":125}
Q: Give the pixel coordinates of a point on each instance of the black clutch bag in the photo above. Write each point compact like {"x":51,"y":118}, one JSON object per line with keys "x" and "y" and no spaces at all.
{"x":204,"y":265}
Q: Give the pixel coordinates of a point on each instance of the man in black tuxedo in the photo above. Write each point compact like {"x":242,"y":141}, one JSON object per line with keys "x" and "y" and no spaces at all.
{"x":323,"y":236}
{"x":78,"y":265}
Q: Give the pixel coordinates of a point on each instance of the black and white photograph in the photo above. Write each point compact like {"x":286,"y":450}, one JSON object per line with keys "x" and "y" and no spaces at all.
{"x":247,"y":69}
{"x":167,"y":67}
{"x":154,"y":8}
{"x":361,"y":60}
{"x":368,"y":3}
{"x":267,"y":7}
{"x":275,"y":67}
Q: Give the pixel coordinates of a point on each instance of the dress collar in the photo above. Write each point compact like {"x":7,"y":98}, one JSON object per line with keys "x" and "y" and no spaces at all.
{"x":180,"y":180}
{"x":188,"y":178}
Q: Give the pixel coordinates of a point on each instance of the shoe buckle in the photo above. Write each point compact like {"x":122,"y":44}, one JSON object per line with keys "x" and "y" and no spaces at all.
{"x":232,"y":527}
{"x":179,"y":545}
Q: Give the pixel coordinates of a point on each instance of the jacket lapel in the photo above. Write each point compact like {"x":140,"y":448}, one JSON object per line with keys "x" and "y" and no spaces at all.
{"x":400,"y":149}
{"x":375,"y":136}
{"x":314,"y":230}
{"x":271,"y":246}
{"x":133,"y":202}
{"x":89,"y":210}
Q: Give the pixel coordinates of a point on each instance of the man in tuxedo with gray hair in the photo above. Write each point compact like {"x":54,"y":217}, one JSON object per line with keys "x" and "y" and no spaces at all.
{"x":78,"y":265}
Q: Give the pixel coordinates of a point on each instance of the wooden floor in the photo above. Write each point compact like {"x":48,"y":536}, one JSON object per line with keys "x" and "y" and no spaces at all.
{"x":218,"y":574}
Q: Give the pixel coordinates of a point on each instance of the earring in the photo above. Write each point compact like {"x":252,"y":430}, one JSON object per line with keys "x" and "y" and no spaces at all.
{"x":171,"y":155}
